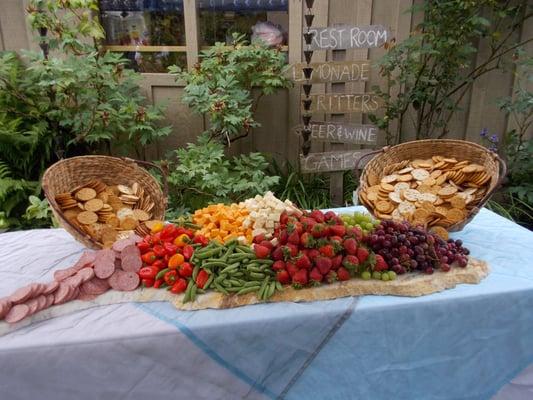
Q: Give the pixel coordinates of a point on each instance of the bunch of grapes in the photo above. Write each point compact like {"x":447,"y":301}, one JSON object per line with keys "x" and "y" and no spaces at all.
{"x":407,"y":248}
{"x":362,"y":220}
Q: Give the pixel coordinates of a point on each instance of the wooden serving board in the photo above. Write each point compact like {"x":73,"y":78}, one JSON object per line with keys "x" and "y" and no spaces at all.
{"x":411,"y":285}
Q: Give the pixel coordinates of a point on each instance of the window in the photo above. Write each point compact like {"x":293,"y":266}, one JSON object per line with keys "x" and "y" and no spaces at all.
{"x":268,"y":19}
{"x":150,"y":33}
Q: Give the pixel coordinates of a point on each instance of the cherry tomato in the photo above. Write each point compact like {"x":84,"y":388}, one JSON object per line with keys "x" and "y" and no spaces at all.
{"x":202,"y":278}
{"x":158,"y":283}
{"x":143,"y":246}
{"x":147,"y":282}
{"x":201,"y":239}
{"x":169,"y":233}
{"x":187,"y":251}
{"x":149,"y":257}
{"x":170,"y":248}
{"x":148,"y":272}
{"x":175,"y":261}
{"x":179,"y":286}
{"x":159,"y":264}
{"x":159,"y":251}
{"x":170,"y":277}
{"x":185,"y":270}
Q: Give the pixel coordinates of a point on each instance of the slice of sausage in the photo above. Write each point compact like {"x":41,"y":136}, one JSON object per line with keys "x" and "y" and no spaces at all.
{"x":33,"y":305}
{"x":131,"y":259}
{"x":17,"y":313}
{"x":86,"y":274}
{"x":62,"y":293}
{"x":118,"y":263}
{"x":49,"y":300}
{"x":5,"y":306}
{"x":104,"y":269}
{"x":95,"y":286}
{"x":104,"y":254}
{"x":41,"y":302}
{"x":119,"y":245}
{"x":124,"y":281}
{"x":21,"y":295}
{"x":62,"y":274}
{"x":51,"y":287}
{"x":86,"y":260}
{"x":74,"y":280}
{"x":74,"y":294}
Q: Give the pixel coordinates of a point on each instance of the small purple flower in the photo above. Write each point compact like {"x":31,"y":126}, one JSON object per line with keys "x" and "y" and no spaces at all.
{"x":484,"y":132}
{"x":493,"y":148}
{"x":494,"y":139}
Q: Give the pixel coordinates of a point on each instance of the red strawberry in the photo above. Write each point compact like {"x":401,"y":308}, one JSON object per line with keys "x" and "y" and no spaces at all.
{"x":267,"y":243}
{"x":350,"y":245}
{"x":284,"y":218}
{"x":278,"y":265}
{"x":313,"y":253}
{"x":327,"y":251}
{"x":283,"y":277}
{"x":303,"y":262}
{"x":319,"y":230}
{"x":294,"y":238}
{"x":355,"y":232}
{"x":315,"y":275}
{"x":259,"y":238}
{"x":336,"y":242}
{"x":277,"y":253}
{"x":343,"y":274}
{"x":381,"y":264}
{"x":283,"y":236}
{"x":307,"y":223}
{"x":298,"y":227}
{"x":350,"y":262}
{"x":261,"y":251}
{"x":331,"y":276}
{"x":291,"y":268}
{"x":323,"y":264}
{"x":337,"y":230}
{"x":300,"y":278}
{"x":362,"y":254}
{"x":307,"y":240}
{"x":336,"y":262}
{"x":317,"y":215}
{"x":293,"y":249}
{"x":329,"y":215}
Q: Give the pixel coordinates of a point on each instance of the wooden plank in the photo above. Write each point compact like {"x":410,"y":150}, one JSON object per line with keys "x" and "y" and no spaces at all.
{"x":332,"y":71}
{"x":342,"y":132}
{"x":348,"y":37}
{"x":338,"y":103}
{"x":330,"y":161}
{"x":192,"y":38}
{"x":147,"y":49}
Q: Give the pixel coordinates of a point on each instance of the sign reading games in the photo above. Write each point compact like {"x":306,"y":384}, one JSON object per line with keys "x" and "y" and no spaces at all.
{"x":330,"y":161}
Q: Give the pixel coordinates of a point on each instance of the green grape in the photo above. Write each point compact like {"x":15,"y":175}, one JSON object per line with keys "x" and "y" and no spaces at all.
{"x":392,"y":275}
{"x":376,"y":275}
{"x":384,"y":276}
{"x":366,"y":275}
{"x":368,"y":226}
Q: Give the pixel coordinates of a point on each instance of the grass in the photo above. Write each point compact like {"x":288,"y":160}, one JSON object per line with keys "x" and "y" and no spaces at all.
{"x":514,"y":209}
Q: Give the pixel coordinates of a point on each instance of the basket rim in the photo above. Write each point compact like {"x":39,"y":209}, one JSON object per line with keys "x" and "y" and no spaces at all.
{"x":499,"y":173}
{"x":58,"y":212}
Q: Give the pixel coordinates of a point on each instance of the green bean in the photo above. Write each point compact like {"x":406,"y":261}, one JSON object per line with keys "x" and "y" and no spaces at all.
{"x":251,"y":268}
{"x":271,"y":289}
{"x":226,"y":283}
{"x":263,"y":286}
{"x":161,"y":274}
{"x":233,"y":289}
{"x":214,"y":264}
{"x":193,"y":292}
{"x":251,"y":283}
{"x":195,"y":272}
{"x":206,"y":254}
{"x":238,"y":257}
{"x":245,"y":249}
{"x":229,"y":268}
{"x":257,"y":275}
{"x":200,"y":291}
{"x":235,"y":282}
{"x":238,"y":274}
{"x":265,"y":261}
{"x":220,"y":278}
{"x":249,"y":289}
{"x":187,"y":296}
{"x":279,"y":286}
{"x":220,"y":288}
{"x":209,"y":281}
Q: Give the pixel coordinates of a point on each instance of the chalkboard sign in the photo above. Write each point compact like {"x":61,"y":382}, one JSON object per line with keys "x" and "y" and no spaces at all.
{"x":332,"y":71}
{"x":348,"y":37}
{"x":330,"y":161}
{"x":334,"y":132}
{"x":342,"y":103}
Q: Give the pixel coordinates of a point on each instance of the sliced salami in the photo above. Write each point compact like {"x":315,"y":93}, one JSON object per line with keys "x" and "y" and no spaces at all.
{"x":86,"y":260}
{"x":131,"y":259}
{"x":49,"y":300}
{"x":86,"y":274}
{"x":74,"y":280}
{"x":104,"y":254}
{"x":118,"y":263}
{"x":33,"y":305}
{"x":130,"y":250}
{"x":17,"y":313}
{"x":119,"y":245}
{"x":51,"y":287}
{"x":62,"y":293}
{"x":73,"y":294}
{"x":42,"y":301}
{"x":95,"y":286}
{"x":62,"y":274}
{"x":37,"y":289}
{"x":21,"y":295}
{"x":104,"y":269}
{"x":5,"y":306}
{"x":124,"y":281}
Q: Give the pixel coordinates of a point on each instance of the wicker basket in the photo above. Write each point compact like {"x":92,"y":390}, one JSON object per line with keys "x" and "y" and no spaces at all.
{"x":423,"y":149}
{"x":69,"y":173}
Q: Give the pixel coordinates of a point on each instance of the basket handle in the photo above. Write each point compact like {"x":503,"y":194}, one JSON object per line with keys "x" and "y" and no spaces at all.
{"x":502,"y":172}
{"x":365,"y":155}
{"x":149,"y":164}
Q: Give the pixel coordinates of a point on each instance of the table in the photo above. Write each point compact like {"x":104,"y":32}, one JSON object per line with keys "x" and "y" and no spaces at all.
{"x":471,"y":342}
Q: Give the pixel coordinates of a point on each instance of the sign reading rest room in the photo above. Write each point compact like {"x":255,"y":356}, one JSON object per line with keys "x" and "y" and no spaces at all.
{"x":348,"y":37}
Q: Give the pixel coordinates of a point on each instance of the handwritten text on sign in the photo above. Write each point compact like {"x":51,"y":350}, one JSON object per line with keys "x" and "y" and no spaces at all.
{"x":343,"y":133}
{"x":333,"y":71}
{"x":344,"y":103}
{"x":331,"y":161}
{"x":348,"y":37}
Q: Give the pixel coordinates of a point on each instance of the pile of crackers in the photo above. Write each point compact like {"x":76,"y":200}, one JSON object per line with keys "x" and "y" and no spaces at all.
{"x":435,"y":193}
{"x":107,"y":212}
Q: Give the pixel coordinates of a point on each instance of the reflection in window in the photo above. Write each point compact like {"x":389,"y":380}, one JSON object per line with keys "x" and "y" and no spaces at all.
{"x":267,"y":20}
{"x":145,"y":23}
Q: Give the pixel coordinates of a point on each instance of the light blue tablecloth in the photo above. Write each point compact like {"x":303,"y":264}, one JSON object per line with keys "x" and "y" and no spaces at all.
{"x":464,"y":343}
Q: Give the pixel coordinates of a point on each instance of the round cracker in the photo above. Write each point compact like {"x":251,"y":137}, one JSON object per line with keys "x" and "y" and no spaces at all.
{"x":389,"y":178}
{"x":85,"y":194}
{"x":420,"y":174}
{"x":141,"y":215}
{"x":94,"y":205}
{"x":440,"y":231}
{"x":87,"y":217}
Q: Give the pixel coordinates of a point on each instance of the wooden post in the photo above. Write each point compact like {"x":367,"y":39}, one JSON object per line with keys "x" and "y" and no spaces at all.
{"x":190,"y":15}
